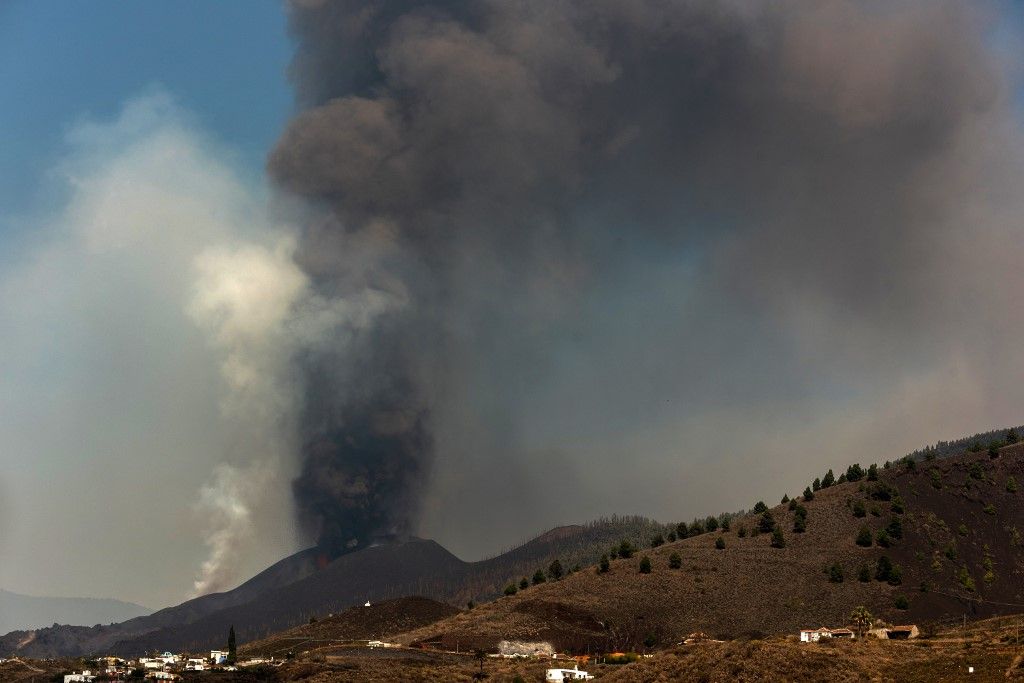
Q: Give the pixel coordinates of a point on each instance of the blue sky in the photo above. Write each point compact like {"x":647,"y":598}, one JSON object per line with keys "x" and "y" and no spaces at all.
{"x":60,"y":62}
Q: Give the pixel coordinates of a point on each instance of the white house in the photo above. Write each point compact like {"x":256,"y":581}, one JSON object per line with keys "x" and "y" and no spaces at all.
{"x":218,"y":656}
{"x":560,"y":675}
{"x":195,"y":665}
{"x":814,"y":635}
{"x":86,"y":677}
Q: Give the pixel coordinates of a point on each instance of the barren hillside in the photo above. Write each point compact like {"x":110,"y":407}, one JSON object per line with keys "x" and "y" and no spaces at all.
{"x":960,"y":552}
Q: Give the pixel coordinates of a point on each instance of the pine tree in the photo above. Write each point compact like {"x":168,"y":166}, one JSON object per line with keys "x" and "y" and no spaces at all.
{"x":808,"y":495}
{"x":828,"y":480}
{"x":835,"y":573}
{"x":555,"y":570}
{"x":760,"y":507}
{"x":720,"y":543}
{"x":778,"y":540}
{"x":767,"y":522}
{"x":645,"y":565}
{"x":604,"y":565}
{"x":538,"y":577}
{"x":785,"y":498}
{"x":864,"y":537}
{"x":675,"y":561}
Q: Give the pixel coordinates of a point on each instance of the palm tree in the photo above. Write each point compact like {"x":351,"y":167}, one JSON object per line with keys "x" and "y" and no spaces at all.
{"x":861,"y":619}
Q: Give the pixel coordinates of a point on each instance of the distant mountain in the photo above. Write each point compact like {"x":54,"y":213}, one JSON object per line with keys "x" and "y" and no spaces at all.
{"x":31,"y":612}
{"x":61,"y":640}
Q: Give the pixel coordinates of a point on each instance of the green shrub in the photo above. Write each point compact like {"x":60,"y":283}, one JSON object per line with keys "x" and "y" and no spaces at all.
{"x":964,"y":577}
{"x":720,"y":543}
{"x":883,"y":568}
{"x":895,"y":576}
{"x":604,"y":565}
{"x":511,"y":589}
{"x":675,"y":561}
{"x":711,"y":524}
{"x":742,"y":531}
{"x":524,"y":583}
{"x":864,"y":537}
{"x":901,"y":602}
{"x":538,"y":577}
{"x":657,"y":540}
{"x":835,"y":573}
{"x":864,"y":574}
{"x":858,"y":508}
{"x":778,"y":540}
{"x":989,"y":509}
{"x":936,"y":477}
{"x":626,"y":549}
{"x":895,"y":528}
{"x":1011,"y":484}
{"x":975,"y":471}
{"x":962,"y":529}
{"x":645,"y":565}
{"x":882,"y":539}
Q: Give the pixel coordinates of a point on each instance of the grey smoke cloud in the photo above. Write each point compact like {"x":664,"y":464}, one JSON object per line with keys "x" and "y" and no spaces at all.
{"x":641,"y":246}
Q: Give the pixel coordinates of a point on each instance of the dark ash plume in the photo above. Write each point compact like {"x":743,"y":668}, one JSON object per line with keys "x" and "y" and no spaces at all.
{"x":500,"y":166}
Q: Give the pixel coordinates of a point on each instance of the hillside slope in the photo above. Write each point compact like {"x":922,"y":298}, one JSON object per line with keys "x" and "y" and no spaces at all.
{"x":960,"y":552}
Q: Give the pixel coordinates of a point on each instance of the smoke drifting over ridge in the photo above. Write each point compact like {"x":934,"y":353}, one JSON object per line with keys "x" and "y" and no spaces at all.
{"x":718,"y":206}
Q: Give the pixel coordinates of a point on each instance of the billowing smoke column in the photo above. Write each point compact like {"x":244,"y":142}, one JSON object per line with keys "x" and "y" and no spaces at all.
{"x":490,"y":165}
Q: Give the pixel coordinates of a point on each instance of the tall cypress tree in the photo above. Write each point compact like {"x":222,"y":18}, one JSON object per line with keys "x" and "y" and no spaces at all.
{"x":232,"y":649}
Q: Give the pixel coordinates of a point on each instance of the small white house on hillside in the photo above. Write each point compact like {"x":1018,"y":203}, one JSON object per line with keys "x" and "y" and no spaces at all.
{"x":559,"y":675}
{"x":814,"y":635}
